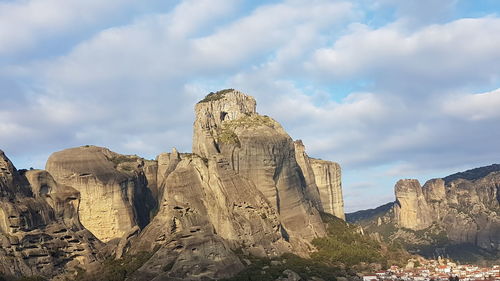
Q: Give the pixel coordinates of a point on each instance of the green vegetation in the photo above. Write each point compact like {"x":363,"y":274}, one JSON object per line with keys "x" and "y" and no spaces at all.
{"x":119,"y":159}
{"x":226,"y":134}
{"x":249,"y":121}
{"x":263,"y":269}
{"x":216,"y":96}
{"x":116,"y":269}
{"x":344,"y":245}
{"x":342,"y":252}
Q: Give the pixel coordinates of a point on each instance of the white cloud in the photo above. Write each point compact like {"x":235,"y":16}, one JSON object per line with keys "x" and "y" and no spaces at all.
{"x":132,"y":87}
{"x":24,"y":23}
{"x":463,"y":52}
{"x":474,"y":107}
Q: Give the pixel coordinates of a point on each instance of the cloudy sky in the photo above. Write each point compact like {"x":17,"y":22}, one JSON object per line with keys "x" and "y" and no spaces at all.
{"x":389,"y":89}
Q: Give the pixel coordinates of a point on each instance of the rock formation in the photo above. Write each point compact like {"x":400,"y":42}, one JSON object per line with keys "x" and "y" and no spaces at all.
{"x":411,"y":208}
{"x":257,"y":148}
{"x":109,"y":184}
{"x":328,"y":179}
{"x":242,"y":188}
{"x":323,"y":182}
{"x":246,"y":187}
{"x":461,"y":209}
{"x":40,"y":232}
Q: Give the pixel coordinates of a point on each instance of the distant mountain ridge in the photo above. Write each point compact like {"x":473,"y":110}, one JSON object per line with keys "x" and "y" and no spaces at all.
{"x":354,"y":217}
{"x":473,"y":174}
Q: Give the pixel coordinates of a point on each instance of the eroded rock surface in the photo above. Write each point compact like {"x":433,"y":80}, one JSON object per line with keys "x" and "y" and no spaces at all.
{"x":411,"y":209}
{"x":114,"y":197}
{"x":460,"y":212}
{"x":246,"y":187}
{"x":259,"y":149}
{"x":40,"y":233}
{"x":328,"y":179}
{"x":323,"y":182}
{"x":241,"y":189}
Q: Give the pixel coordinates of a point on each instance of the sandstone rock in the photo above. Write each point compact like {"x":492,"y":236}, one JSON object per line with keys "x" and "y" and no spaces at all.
{"x":64,"y":200}
{"x":459,"y":209}
{"x":241,"y":189}
{"x":435,"y":196}
{"x":411,"y":209}
{"x":39,"y":227}
{"x":167,"y":162}
{"x":311,"y":189}
{"x":323,"y":182}
{"x":113,"y":188}
{"x":328,"y":180}
{"x":259,"y":149}
{"x":211,"y":112}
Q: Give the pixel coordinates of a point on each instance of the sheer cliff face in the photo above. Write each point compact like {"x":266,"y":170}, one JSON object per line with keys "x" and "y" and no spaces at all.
{"x":461,"y":209}
{"x":113,"y":188}
{"x":247,"y":186}
{"x":468,"y":211}
{"x":323,"y":182}
{"x":212,"y":112}
{"x":328,"y":179}
{"x":40,"y":232}
{"x":242,"y":188}
{"x":411,"y":209}
{"x":473,"y":213}
{"x":257,"y":148}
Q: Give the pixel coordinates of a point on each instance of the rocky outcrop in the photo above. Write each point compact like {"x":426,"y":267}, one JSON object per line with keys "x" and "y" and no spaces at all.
{"x":114,"y":197}
{"x":259,"y":149}
{"x":211,"y":112}
{"x":167,"y":162}
{"x":322,"y":181}
{"x":467,"y":210}
{"x":411,"y":209}
{"x":246,"y":188}
{"x":208,"y":211}
{"x":241,"y":189}
{"x":328,"y":179}
{"x":460,"y":212}
{"x":40,"y":233}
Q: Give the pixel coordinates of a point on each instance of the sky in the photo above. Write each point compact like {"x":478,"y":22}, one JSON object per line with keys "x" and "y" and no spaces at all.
{"x":389,"y":89}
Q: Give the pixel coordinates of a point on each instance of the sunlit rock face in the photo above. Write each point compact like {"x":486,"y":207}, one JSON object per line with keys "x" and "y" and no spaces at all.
{"x":241,"y":189}
{"x":114,"y":197}
{"x":459,"y":213}
{"x":466,"y":209}
{"x":246,"y":187}
{"x":40,"y":232}
{"x":411,"y":208}
{"x":259,"y":149}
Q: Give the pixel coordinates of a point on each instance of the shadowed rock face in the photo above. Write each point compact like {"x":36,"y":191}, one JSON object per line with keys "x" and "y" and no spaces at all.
{"x":323,"y":182}
{"x":40,"y":233}
{"x":328,"y":180}
{"x":113,"y":188}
